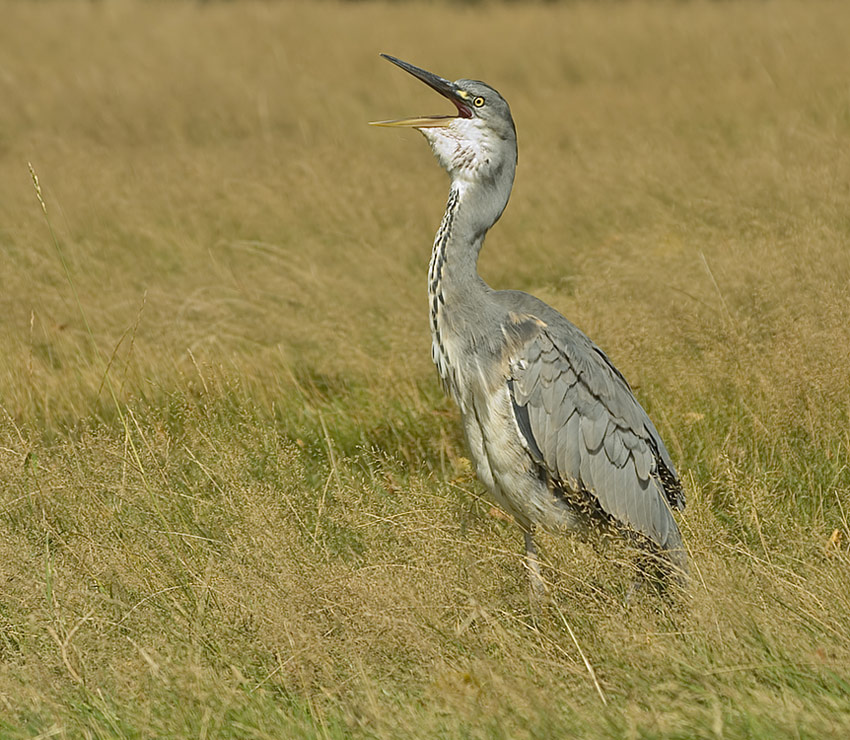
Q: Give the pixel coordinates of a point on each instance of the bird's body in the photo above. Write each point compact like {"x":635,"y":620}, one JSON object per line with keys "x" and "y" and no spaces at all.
{"x":556,"y":433}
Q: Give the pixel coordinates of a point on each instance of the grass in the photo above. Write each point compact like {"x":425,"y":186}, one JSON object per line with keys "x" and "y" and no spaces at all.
{"x":233,"y":501}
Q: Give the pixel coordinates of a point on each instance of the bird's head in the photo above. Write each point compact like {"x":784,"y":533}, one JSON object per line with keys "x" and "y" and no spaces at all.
{"x":479,"y":141}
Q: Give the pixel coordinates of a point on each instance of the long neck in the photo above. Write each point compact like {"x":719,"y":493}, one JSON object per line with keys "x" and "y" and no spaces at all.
{"x":455,"y":290}
{"x":454,"y":257}
{"x":474,"y":205}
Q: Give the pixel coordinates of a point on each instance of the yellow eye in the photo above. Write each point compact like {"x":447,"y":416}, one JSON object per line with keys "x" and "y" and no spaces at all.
{"x":478,"y":102}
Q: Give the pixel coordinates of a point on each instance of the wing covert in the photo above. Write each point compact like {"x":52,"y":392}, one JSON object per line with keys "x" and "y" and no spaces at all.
{"x":579,"y":419}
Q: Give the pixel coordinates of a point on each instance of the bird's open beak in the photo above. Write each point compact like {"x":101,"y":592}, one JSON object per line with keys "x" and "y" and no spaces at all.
{"x":444,"y":87}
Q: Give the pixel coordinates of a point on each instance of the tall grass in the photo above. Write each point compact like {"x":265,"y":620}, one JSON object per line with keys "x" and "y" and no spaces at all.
{"x":233,"y":501}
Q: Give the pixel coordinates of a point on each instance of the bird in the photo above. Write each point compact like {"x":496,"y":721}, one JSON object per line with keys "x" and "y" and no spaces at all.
{"x":552,"y":426}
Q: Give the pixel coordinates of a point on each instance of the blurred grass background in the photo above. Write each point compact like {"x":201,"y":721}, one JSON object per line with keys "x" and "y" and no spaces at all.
{"x":259,"y":522}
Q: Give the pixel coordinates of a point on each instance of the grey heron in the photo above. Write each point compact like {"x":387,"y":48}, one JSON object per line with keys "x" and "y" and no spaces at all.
{"x":555,"y":432}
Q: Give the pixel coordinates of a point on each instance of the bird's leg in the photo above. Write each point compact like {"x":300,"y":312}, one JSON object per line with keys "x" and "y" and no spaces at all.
{"x":635,"y":587}
{"x":537,"y":586}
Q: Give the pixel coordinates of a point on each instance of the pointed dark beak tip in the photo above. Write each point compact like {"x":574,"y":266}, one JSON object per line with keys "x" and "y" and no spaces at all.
{"x":406,"y":66}
{"x":441,"y":85}
{"x":445,"y":87}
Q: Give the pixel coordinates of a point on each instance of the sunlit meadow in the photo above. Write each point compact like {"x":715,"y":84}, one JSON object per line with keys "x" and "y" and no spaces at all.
{"x":233,"y":500}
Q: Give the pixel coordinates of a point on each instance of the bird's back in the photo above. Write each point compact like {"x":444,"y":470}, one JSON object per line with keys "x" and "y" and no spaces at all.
{"x":604,"y":380}
{"x":557,"y":434}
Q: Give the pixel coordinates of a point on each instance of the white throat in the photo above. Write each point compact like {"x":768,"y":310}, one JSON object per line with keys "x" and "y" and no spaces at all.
{"x":481,"y":165}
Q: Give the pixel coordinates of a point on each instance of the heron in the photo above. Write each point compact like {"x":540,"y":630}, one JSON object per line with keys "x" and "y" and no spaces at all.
{"x":554,"y":430}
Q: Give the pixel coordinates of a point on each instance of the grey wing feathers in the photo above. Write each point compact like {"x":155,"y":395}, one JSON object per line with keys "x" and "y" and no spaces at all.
{"x":581,"y":421}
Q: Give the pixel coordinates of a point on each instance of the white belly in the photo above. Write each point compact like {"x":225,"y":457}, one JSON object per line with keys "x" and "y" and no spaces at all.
{"x":505,"y":467}
{"x":502,"y":462}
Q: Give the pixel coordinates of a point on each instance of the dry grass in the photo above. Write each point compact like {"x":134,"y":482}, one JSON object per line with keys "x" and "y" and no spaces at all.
{"x":259,"y":522}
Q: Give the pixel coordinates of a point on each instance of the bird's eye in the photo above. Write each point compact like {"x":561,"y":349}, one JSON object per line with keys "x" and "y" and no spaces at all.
{"x":478,"y":102}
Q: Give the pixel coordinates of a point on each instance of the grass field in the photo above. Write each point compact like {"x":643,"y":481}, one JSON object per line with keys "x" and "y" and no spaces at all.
{"x":233,"y":500}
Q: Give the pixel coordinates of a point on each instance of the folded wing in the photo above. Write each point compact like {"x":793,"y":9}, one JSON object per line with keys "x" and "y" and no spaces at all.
{"x":579,"y":418}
